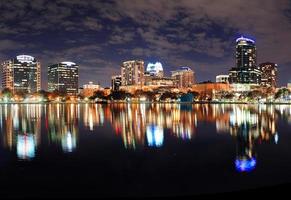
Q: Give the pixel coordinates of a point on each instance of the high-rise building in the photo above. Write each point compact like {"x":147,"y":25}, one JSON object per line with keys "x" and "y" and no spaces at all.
{"x":269,"y":74}
{"x":184,"y":77}
{"x":155,"y":69}
{"x":246,"y":70}
{"x":63,"y":77}
{"x":132,"y":73}
{"x":22,"y":74}
{"x":115,"y":82}
{"x":222,"y":79}
{"x":289,"y":86}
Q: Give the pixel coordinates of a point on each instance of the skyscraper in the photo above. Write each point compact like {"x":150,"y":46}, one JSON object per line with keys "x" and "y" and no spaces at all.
{"x":21,"y":74}
{"x":269,"y":74}
{"x":246,"y":70}
{"x":115,"y":82}
{"x":155,"y":69}
{"x":132,"y":73}
{"x":184,"y":77}
{"x":63,"y":77}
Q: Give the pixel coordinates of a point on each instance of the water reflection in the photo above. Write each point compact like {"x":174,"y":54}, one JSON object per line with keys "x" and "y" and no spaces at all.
{"x":140,"y":125}
{"x":155,"y":135}
{"x":21,"y":128}
{"x":62,"y":125}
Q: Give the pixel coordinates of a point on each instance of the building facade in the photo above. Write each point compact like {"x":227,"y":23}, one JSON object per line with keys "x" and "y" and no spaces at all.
{"x":209,"y":89}
{"x":132,"y":73}
{"x":184,"y":77}
{"x":160,"y":81}
{"x":269,"y":74}
{"x":222,"y":79}
{"x":155,"y":69}
{"x":63,"y":77}
{"x":89,"y":89}
{"x":22,"y":74}
{"x":246,"y":70}
{"x":116,"y":82}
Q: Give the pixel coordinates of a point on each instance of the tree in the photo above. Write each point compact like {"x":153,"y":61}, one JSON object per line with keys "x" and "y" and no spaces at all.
{"x":98,"y":94}
{"x":228,"y":95}
{"x":119,"y":95}
{"x":195,"y":94}
{"x":58,"y":93}
{"x":282,"y":93}
{"x":6,"y":92}
{"x":168,"y":95}
{"x":255,"y":94}
{"x":138,"y":93}
{"x":151,"y":96}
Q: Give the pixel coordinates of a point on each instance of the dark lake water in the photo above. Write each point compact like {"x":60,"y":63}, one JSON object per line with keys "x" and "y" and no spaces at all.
{"x":142,"y":149}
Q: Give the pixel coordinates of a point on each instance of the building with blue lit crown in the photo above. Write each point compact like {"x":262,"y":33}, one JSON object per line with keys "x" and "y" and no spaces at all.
{"x":246,"y":70}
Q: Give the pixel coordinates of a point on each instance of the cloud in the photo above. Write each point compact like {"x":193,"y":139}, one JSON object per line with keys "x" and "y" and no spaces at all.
{"x":6,"y":45}
{"x":92,"y":24}
{"x":184,"y":32}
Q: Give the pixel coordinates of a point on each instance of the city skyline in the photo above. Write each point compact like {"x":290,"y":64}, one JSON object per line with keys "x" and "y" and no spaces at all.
{"x":247,"y":71}
{"x":99,"y":36}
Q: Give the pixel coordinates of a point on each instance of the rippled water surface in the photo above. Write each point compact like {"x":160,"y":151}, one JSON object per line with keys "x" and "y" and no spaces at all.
{"x":142,"y":149}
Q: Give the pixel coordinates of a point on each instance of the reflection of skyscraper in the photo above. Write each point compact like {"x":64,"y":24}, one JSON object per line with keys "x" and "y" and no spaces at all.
{"x":21,"y":128}
{"x":63,"y":125}
{"x":246,"y":158}
{"x":155,"y":136}
{"x":250,"y":125}
{"x":68,"y":142}
{"x":25,"y":146}
{"x":93,"y":115}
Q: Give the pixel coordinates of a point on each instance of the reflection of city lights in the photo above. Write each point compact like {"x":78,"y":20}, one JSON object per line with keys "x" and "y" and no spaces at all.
{"x":155,"y":136}
{"x":276,"y":138}
{"x":239,"y":117}
{"x":68,"y":143}
{"x":245,"y":165}
{"x":25,"y":146}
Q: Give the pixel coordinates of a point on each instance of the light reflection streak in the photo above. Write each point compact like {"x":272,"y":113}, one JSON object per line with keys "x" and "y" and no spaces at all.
{"x":139,"y":125}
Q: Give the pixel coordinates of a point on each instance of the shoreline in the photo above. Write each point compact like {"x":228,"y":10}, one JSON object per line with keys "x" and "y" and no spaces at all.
{"x":148,"y":102}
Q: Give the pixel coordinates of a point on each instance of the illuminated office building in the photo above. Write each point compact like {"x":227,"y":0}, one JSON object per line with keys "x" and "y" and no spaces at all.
{"x":222,"y":79}
{"x":246,"y":70}
{"x":132,"y":73}
{"x":115,"y":82}
{"x":22,"y":74}
{"x":155,"y":69}
{"x":184,"y":77}
{"x":269,"y":74}
{"x":63,"y":77}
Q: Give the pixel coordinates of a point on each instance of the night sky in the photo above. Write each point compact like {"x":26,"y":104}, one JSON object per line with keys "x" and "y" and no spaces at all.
{"x":100,"y":35}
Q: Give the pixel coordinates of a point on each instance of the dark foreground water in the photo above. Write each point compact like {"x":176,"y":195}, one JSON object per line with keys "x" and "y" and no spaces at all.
{"x":142,"y":149}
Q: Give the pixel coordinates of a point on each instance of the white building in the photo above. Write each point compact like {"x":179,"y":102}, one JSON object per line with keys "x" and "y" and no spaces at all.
{"x":155,"y":69}
{"x":132,"y":73}
{"x":222,"y":79}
